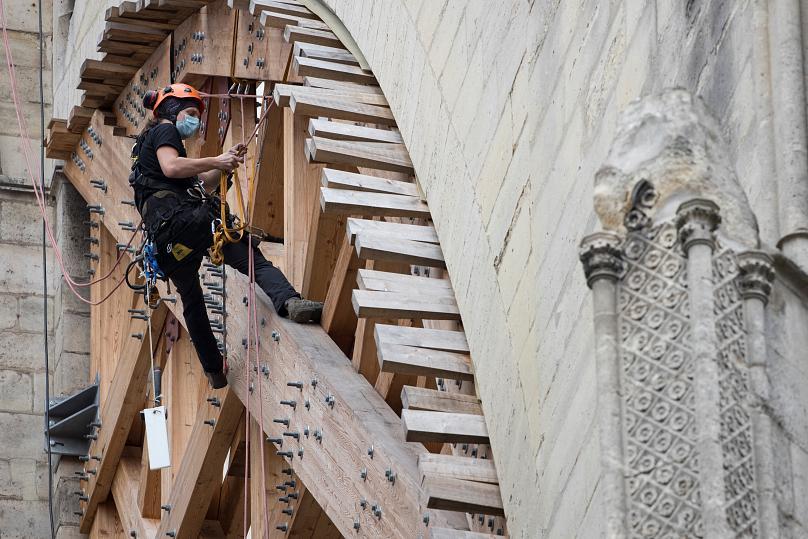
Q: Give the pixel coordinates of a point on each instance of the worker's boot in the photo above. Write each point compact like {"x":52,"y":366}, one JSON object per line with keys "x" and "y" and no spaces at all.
{"x":217,"y":380}
{"x":303,"y":310}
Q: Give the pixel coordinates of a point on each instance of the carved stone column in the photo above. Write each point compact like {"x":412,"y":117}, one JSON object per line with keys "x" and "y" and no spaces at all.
{"x":755,"y":283}
{"x":602,"y":260}
{"x":697,"y":221}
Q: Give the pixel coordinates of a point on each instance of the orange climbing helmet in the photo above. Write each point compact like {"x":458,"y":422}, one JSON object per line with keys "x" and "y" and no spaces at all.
{"x":152,"y":99}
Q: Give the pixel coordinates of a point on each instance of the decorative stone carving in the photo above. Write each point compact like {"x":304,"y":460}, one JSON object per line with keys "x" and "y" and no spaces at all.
{"x":697,"y":220}
{"x":757,"y":275}
{"x":671,"y":141}
{"x":601,"y":256}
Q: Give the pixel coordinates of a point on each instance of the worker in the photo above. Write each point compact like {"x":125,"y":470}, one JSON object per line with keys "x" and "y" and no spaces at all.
{"x":173,"y":195}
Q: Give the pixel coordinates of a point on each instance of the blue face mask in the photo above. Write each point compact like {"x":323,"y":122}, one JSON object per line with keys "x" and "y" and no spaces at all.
{"x":188,"y":126}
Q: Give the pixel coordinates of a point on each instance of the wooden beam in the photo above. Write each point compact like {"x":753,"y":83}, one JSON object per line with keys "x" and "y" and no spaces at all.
{"x":107,"y":523}
{"x":420,"y":398}
{"x":377,"y":155}
{"x":274,"y":19}
{"x":467,"y":469}
{"x":459,"y":495}
{"x":282,"y":95}
{"x":289,"y":8}
{"x":337,"y":55}
{"x":313,"y":67}
{"x":448,"y":533}
{"x":293,"y":34}
{"x":267,"y":202}
{"x":117,"y":412}
{"x":338,"y":179}
{"x":377,"y":204}
{"x":374,"y":246}
{"x":436,"y":339}
{"x":398,"y":305}
{"x":355,"y":226}
{"x":344,"y":131}
{"x":311,"y":521}
{"x":339,"y":108}
{"x":201,"y":468}
{"x":318,"y":82}
{"x":124,"y":490}
{"x":425,"y":426}
{"x":339,"y":319}
{"x":424,"y":362}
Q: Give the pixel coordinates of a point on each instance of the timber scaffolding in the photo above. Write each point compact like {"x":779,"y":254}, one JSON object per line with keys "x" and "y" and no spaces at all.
{"x":371,"y":426}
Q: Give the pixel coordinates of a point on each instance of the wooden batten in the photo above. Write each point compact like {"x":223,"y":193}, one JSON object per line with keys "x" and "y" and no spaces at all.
{"x":392,"y":157}
{"x":311,"y":103}
{"x":374,"y":246}
{"x":459,"y":495}
{"x":435,"y":339}
{"x":339,"y":319}
{"x":426,"y":426}
{"x":282,"y":95}
{"x":337,"y":55}
{"x":419,"y":398}
{"x":350,"y":132}
{"x":402,"y":305}
{"x":289,"y":8}
{"x":319,"y":82}
{"x":313,"y":67}
{"x":348,"y":201}
{"x":448,"y":533}
{"x":398,"y":358}
{"x":355,"y":227}
{"x":293,"y":34}
{"x":276,"y":19}
{"x":464,"y":468}
{"x":338,"y":179}
{"x":124,"y":491}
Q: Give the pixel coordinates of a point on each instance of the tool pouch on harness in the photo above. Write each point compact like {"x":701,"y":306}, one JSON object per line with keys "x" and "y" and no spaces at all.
{"x":180,"y":227}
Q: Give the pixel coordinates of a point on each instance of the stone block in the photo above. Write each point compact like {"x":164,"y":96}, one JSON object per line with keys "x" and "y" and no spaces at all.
{"x":24,"y":275}
{"x":21,"y":435}
{"x":24,"y":519}
{"x":23,"y":351}
{"x":21,"y":221}
{"x":25,"y":17}
{"x":9,"y":489}
{"x":71,"y":373}
{"x":66,"y":531}
{"x":16,"y":391}
{"x":8,"y":311}
{"x":24,"y":473}
{"x":73,"y":333}
{"x":31,"y":318}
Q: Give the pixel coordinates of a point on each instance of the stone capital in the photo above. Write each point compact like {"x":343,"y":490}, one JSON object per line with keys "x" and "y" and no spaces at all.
{"x":697,"y":220}
{"x":756,"y":275}
{"x":601,"y":256}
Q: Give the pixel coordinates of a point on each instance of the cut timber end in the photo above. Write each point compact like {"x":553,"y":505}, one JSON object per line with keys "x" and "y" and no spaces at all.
{"x":420,"y":398}
{"x":425,"y":426}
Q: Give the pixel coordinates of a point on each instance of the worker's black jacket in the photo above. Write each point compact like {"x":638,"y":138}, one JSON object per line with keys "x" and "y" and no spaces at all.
{"x":175,"y":215}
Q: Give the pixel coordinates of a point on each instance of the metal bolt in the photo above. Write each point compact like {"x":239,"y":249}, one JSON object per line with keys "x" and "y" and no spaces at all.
{"x":285,"y":454}
{"x":294,"y":495}
{"x":363,"y":473}
{"x":288,"y":511}
{"x":282,"y":421}
{"x":363,"y":503}
{"x":214,"y":401}
{"x":370,"y":451}
{"x":390,"y":475}
{"x":265,"y":370}
{"x":172,"y":533}
{"x":356,"y":524}
{"x":281,"y":487}
{"x":295,"y":435}
{"x":92,"y":240}
{"x":300,"y":452}
{"x":282,"y":527}
{"x":211,"y":422}
{"x":318,"y":435}
{"x":298,"y":385}
{"x":278,"y":441}
{"x":288,"y":471}
{"x":426,"y":519}
{"x":314,"y":383}
{"x":329,"y":400}
{"x":290,"y":484}
{"x":307,"y":404}
{"x":166,"y":507}
{"x":276,"y":336}
{"x":377,"y":510}
{"x":283,"y":499}
{"x":128,"y":202}
{"x":291,"y":403}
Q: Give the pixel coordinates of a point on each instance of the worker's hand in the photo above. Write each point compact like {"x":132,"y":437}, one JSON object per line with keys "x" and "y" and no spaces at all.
{"x":228,"y":161}
{"x":239,"y":149}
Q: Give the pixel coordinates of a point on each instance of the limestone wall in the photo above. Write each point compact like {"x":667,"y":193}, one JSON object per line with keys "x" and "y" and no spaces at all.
{"x":507,"y":111}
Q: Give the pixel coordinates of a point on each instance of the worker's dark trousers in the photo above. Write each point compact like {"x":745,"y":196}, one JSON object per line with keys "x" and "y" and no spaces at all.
{"x":186,"y":281}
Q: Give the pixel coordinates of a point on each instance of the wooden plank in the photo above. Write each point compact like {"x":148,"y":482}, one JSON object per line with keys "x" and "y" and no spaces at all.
{"x":337,"y":55}
{"x":436,"y":339}
{"x":376,"y":155}
{"x":398,"y":305}
{"x":274,"y":19}
{"x":464,"y":468}
{"x":125,"y":492}
{"x":200,"y":470}
{"x":96,"y":69}
{"x":459,"y":495}
{"x":309,"y":104}
{"x":282,"y":7}
{"x":374,"y":246}
{"x":273,"y":468}
{"x":267,"y":202}
{"x":377,"y":204}
{"x":339,"y":319}
{"x":293,"y":34}
{"x":107,"y":524}
{"x":404,"y":231}
{"x":426,"y":426}
{"x":313,"y":67}
{"x":343,"y":131}
{"x":338,"y":179}
{"x":319,"y":82}
{"x":148,"y":487}
{"x":282,"y":95}
{"x":448,"y":533}
{"x":326,"y":233}
{"x":419,"y":398}
{"x":309,"y":520}
{"x":424,"y":362}
{"x":117,"y":413}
